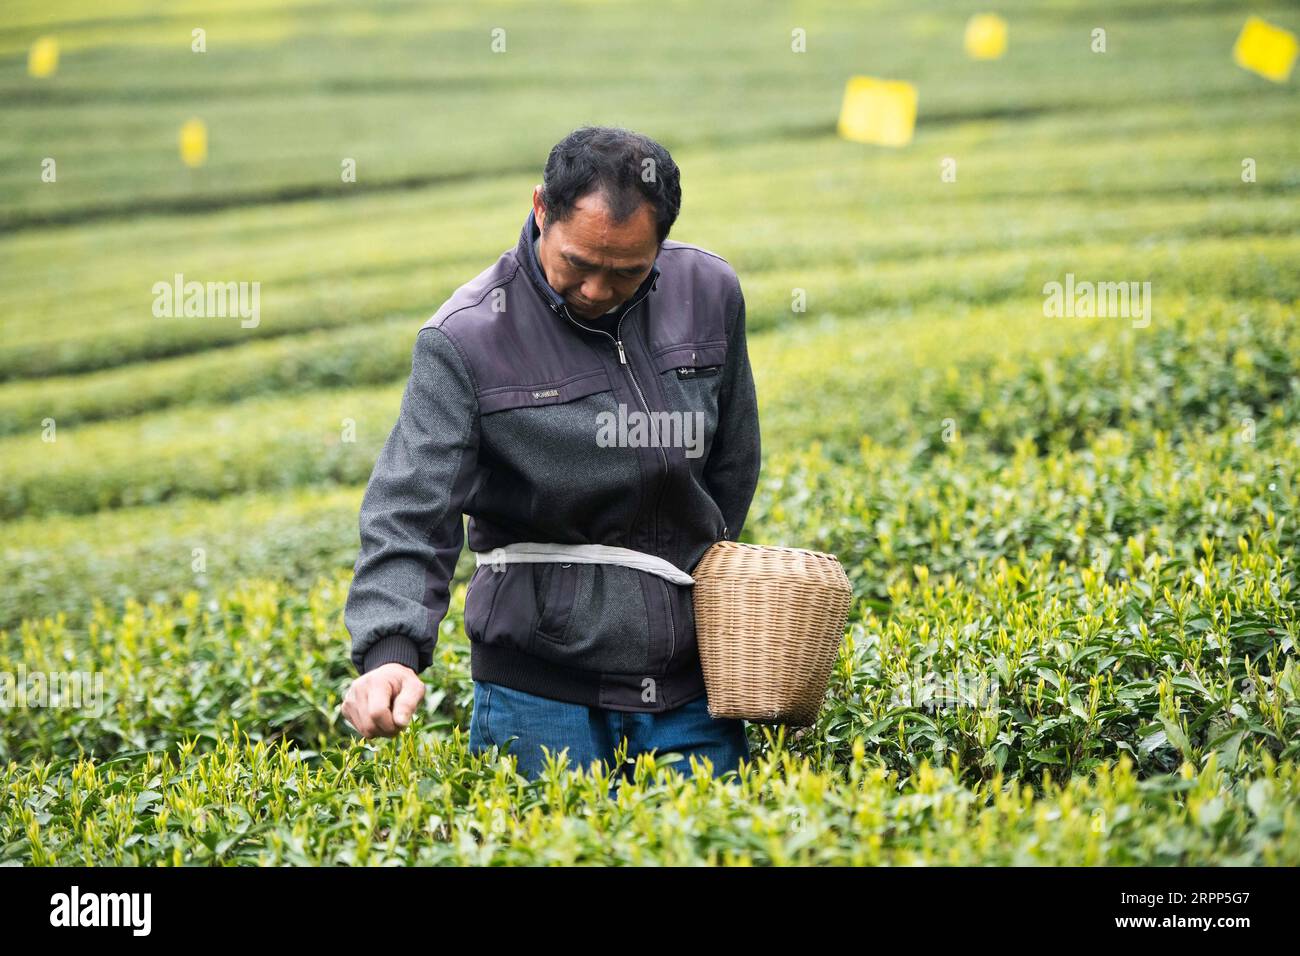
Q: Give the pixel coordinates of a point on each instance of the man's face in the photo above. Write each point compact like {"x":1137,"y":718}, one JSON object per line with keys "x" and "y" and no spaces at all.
{"x":593,"y":261}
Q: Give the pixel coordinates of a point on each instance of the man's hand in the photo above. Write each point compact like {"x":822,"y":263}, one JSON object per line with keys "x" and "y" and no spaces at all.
{"x":380,"y":702}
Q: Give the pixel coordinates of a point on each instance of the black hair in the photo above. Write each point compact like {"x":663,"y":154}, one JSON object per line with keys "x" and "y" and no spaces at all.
{"x":613,"y":161}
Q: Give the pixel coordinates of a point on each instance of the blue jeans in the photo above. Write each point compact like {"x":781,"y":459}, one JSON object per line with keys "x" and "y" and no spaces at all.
{"x":521,"y":724}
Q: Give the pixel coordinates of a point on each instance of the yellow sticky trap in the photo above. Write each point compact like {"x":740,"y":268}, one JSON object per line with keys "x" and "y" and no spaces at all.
{"x":1265,"y":49}
{"x":43,"y":57}
{"x":194,"y":143}
{"x":878,"y":111}
{"x":986,"y":36}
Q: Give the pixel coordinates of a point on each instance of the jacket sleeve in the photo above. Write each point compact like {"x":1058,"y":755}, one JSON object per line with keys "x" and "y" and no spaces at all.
{"x":411,"y":521}
{"x":731,"y":472}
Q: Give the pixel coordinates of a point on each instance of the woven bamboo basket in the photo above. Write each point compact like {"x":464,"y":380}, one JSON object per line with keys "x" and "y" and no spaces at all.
{"x":769,"y":622}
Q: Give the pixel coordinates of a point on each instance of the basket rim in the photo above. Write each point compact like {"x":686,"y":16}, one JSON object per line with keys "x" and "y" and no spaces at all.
{"x":773,"y":547}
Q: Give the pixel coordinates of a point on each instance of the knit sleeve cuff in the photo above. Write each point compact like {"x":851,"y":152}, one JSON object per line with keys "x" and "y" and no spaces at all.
{"x":393,"y":648}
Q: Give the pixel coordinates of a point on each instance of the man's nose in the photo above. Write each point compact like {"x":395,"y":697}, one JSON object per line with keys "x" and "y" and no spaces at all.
{"x":594,"y":290}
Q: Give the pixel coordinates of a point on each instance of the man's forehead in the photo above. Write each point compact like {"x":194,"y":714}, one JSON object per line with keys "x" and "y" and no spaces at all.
{"x":598,"y":246}
{"x":599,"y":254}
{"x":590,"y":226}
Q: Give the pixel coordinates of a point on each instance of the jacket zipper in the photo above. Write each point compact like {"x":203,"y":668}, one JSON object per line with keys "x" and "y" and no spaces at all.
{"x":622,"y":358}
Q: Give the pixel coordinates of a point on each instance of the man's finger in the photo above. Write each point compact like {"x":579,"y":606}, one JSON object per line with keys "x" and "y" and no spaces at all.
{"x":408,"y":698}
{"x":354,"y":716}
{"x":347,"y":709}
{"x":379,"y":707}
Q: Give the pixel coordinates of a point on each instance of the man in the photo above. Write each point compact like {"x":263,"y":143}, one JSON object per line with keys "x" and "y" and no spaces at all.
{"x":588,"y":402}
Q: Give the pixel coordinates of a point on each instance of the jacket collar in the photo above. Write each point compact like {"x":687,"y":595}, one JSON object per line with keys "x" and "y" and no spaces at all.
{"x":527,"y":257}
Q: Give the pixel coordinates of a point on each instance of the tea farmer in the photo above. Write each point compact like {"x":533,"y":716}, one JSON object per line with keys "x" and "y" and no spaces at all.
{"x":587,"y":401}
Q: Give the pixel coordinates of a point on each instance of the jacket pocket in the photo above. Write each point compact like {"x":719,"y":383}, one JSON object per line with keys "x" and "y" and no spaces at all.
{"x":597,"y":619}
{"x":690,"y":377}
{"x":479,"y":598}
{"x":692,"y":359}
{"x":681,"y":599}
{"x":500,"y":605}
{"x":555,"y":585}
{"x":698,"y":371}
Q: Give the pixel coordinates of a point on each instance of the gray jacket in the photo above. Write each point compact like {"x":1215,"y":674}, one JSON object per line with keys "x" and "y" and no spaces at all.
{"x":522,"y":417}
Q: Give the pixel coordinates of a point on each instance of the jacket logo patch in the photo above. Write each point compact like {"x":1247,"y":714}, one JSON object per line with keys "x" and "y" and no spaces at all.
{"x":547,"y":393}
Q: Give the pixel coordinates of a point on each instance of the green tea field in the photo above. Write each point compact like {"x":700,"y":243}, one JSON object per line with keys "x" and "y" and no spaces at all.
{"x":1073,"y":541}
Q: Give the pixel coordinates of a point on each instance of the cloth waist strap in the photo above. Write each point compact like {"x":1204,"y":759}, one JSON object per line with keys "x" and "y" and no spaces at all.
{"x":584,"y":554}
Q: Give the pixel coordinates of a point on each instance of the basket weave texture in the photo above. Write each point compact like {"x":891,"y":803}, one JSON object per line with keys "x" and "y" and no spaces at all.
{"x":769,"y":622}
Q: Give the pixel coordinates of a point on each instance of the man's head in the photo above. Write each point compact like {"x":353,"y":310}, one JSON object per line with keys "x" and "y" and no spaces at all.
{"x":609,"y":199}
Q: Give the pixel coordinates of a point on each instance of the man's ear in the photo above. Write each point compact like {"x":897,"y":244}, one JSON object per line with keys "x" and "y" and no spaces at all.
{"x":539,"y":211}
